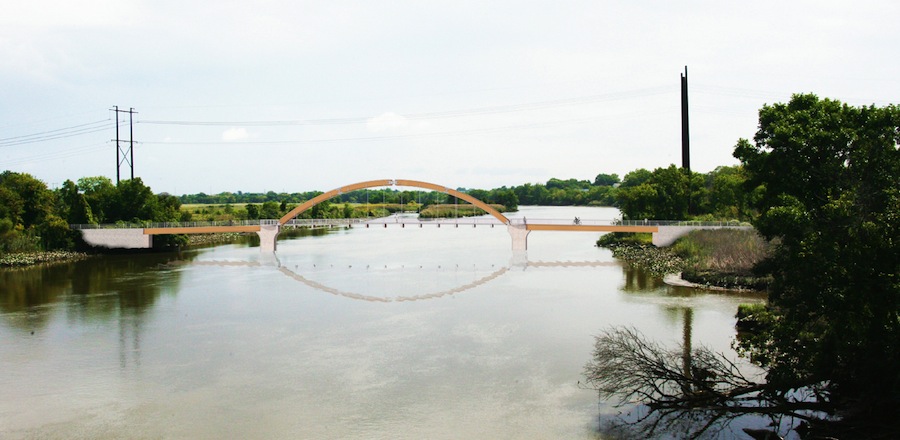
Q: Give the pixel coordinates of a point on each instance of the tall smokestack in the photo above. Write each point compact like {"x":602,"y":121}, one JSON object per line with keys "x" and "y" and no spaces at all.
{"x":685,"y":134}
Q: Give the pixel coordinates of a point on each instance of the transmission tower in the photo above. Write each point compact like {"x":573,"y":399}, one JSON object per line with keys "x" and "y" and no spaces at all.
{"x":124,"y":155}
{"x":685,"y":132}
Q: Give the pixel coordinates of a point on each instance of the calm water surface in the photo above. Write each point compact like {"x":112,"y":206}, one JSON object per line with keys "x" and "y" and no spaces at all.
{"x":362,"y":333}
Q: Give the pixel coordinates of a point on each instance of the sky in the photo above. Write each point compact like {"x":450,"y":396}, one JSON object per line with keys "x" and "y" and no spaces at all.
{"x":293,"y":96}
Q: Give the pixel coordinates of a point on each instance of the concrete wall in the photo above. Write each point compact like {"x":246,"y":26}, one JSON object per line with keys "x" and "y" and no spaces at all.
{"x":668,"y":234}
{"x":117,"y":238}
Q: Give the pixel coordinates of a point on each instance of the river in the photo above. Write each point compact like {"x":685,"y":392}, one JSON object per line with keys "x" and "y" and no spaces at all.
{"x":401,"y":333}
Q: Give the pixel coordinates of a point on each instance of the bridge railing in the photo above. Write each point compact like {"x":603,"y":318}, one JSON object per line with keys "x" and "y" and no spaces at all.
{"x":413,"y":221}
{"x":318,"y":222}
{"x":559,"y":221}
{"x":133,"y":225}
{"x":732,"y":223}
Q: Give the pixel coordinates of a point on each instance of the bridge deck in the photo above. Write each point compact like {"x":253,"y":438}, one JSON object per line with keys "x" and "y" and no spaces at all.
{"x":651,"y":226}
{"x":528,"y":226}
{"x":200,"y":230}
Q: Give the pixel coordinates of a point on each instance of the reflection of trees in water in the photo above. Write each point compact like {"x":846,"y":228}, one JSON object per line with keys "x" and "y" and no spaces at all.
{"x":637,"y":280}
{"x":686,"y":392}
{"x":100,"y":288}
{"x":26,"y":290}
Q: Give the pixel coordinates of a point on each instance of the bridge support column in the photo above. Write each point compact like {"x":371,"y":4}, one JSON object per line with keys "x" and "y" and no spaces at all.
{"x":519,"y":234}
{"x":268,"y":235}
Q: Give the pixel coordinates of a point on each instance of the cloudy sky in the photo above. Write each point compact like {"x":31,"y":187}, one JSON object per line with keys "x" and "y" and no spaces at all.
{"x":301,"y":95}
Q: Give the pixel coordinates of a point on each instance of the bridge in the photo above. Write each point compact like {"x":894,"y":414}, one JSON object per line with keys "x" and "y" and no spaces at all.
{"x":140,"y":236}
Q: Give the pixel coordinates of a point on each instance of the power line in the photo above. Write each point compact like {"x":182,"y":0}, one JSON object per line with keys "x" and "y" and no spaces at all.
{"x":60,"y":133}
{"x":70,"y":152}
{"x":643,"y":112}
{"x":436,"y":115}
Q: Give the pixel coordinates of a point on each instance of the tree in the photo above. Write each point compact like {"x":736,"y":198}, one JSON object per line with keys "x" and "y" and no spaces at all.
{"x":828,"y":179}
{"x":27,"y":198}
{"x":133,"y":201}
{"x":663,"y":194}
{"x":727,"y":196}
{"x":606,"y":179}
{"x":269,"y":210}
{"x":635,"y":178}
{"x":100,"y":193}
{"x":252,"y":211}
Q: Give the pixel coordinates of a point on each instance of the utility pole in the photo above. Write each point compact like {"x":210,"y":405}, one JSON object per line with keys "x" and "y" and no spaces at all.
{"x":685,"y":135}
{"x":123,"y":156}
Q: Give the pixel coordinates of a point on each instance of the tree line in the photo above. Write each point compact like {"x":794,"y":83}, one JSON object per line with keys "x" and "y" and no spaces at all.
{"x":33,"y":217}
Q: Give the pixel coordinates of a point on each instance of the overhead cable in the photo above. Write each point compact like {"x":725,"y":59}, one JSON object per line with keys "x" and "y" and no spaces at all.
{"x":436,"y":115}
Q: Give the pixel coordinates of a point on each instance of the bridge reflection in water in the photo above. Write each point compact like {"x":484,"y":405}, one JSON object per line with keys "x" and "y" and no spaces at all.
{"x":518,"y":261}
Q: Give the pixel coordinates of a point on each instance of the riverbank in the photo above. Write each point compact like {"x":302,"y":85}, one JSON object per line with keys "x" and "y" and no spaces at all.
{"x":711,"y":259}
{"x":22,"y":259}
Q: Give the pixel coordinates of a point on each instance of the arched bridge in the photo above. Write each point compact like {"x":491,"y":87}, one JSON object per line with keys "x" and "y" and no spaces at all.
{"x":391,"y":182}
{"x":664,"y":233}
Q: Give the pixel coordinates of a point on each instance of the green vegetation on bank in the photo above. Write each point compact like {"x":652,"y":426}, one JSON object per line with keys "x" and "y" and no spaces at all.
{"x":722,"y":258}
{"x":31,"y":258}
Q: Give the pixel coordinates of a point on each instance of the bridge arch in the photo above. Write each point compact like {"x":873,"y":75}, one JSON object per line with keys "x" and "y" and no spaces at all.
{"x":390,"y":182}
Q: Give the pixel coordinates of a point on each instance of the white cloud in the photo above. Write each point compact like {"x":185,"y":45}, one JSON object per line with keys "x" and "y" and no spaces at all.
{"x":235,"y":134}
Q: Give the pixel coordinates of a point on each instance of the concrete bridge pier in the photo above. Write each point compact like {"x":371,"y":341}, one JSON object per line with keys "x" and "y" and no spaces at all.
{"x":268,"y":236}
{"x":519,"y":234}
{"x":519,"y":259}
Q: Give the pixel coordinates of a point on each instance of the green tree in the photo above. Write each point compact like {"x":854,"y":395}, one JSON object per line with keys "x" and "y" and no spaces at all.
{"x":252,"y":211}
{"x":828,"y":178}
{"x":168,"y":208}
{"x":100,"y":193}
{"x":269,"y":210}
{"x":132,"y":201}
{"x":636,"y":202}
{"x":665,"y":193}
{"x":635,"y":178}
{"x":606,"y":179}
{"x":29,"y":200}
{"x":506,"y":197}
{"x":727,"y":195}
{"x":73,"y":205}
{"x":672,"y":186}
{"x":55,"y":233}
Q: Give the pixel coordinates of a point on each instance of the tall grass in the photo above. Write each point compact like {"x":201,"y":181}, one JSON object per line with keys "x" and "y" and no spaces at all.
{"x":720,"y":257}
{"x":723,"y":257}
{"x":723,"y":250}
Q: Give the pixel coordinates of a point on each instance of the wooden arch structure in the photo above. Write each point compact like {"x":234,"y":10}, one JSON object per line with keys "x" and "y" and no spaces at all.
{"x":390,"y":182}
